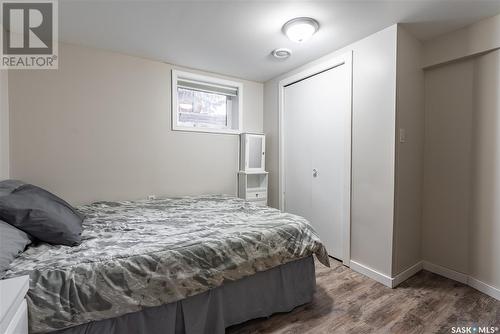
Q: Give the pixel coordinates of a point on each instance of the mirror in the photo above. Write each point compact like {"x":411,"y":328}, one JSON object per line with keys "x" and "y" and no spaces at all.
{"x":255,"y":152}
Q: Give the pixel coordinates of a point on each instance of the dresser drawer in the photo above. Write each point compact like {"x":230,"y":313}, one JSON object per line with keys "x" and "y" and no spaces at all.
{"x":256,"y":195}
{"x":260,"y":202}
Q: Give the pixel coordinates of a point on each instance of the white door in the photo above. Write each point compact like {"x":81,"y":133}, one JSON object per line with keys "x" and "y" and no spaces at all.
{"x":316,"y":153}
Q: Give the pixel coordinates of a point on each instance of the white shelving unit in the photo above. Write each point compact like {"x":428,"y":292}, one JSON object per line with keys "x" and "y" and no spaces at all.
{"x":252,"y":186}
{"x":252,"y":177}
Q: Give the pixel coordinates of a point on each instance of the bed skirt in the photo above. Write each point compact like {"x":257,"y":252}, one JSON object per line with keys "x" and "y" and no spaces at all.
{"x":279,"y":289}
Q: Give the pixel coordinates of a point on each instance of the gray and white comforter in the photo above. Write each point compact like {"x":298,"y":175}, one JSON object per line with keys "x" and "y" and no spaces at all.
{"x":148,"y":253}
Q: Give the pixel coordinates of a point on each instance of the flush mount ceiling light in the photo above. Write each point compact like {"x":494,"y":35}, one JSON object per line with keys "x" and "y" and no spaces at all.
{"x":281,"y":53}
{"x":300,"y":29}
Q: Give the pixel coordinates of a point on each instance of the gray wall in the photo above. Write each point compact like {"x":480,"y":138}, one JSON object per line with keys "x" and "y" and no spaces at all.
{"x":373,"y":146}
{"x":99,"y":129}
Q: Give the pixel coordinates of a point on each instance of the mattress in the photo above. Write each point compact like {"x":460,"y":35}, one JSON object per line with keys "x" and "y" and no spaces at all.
{"x":139,"y":254}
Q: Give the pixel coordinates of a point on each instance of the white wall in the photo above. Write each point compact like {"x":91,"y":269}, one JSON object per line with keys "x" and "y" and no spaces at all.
{"x":410,"y":154}
{"x":461,"y":220}
{"x":4,"y":125}
{"x":373,"y":146}
{"x":271,"y":130}
{"x":99,"y":129}
{"x":461,"y":217}
{"x":373,"y":150}
{"x":471,"y":40}
{"x":484,"y":260}
{"x":447,"y":185}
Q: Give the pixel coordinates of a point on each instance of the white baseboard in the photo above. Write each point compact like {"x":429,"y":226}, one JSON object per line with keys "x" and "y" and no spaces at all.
{"x":372,"y":273}
{"x":484,"y":288}
{"x":403,"y":276}
{"x":446,"y":272}
{"x":463,"y":278}
{"x":392,"y":282}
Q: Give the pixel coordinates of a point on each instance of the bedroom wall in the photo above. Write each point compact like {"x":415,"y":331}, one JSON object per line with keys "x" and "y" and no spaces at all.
{"x":4,"y":125}
{"x":447,"y":182}
{"x":468,"y":41}
{"x":99,"y":128}
{"x":461,"y":221}
{"x":484,"y":264}
{"x":409,"y":153}
{"x":373,"y":146}
{"x":461,"y":217}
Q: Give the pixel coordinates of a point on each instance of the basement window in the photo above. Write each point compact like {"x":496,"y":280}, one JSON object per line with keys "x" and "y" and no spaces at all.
{"x":205,"y":104}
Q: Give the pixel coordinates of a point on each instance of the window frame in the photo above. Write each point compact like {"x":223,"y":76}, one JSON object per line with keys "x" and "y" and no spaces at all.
{"x":177,"y":74}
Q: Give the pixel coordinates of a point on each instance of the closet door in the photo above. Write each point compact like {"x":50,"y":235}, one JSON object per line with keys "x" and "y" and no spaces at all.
{"x":297,"y":151}
{"x":316,"y":115}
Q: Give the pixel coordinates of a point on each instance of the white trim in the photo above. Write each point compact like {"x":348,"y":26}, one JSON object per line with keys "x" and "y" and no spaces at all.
{"x":407,"y":273}
{"x":446,"y":272}
{"x":484,"y":288}
{"x":348,"y":173}
{"x":209,"y":80}
{"x":345,"y":59}
{"x":463,"y":278}
{"x":392,"y":282}
{"x":371,"y":273}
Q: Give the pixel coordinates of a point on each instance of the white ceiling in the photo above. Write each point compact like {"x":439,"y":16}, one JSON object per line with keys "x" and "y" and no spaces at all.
{"x":236,"y":37}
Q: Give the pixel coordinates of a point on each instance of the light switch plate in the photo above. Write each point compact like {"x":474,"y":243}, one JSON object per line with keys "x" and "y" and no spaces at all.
{"x":402,"y":135}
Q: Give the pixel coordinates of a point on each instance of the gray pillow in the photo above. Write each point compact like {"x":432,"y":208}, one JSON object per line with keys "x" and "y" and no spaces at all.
{"x":42,"y":215}
{"x":8,"y":186}
{"x":12,"y":243}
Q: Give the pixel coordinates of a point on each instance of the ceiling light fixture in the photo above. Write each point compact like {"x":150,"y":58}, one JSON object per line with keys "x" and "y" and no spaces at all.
{"x":281,"y":53}
{"x":300,"y":29}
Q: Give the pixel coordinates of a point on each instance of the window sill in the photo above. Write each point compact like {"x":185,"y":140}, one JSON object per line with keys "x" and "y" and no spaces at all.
{"x":206,"y":130}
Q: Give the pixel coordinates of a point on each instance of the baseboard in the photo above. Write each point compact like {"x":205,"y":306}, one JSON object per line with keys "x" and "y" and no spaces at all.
{"x":463,"y":278}
{"x":407,"y":273}
{"x":372,"y":273}
{"x":446,"y":272}
{"x":392,"y":282}
{"x":484,"y":288}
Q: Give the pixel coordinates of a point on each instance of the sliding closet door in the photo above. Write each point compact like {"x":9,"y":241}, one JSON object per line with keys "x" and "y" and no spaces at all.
{"x":316,"y":115}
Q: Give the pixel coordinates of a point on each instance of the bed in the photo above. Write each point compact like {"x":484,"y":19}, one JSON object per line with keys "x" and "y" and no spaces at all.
{"x":174,"y":265}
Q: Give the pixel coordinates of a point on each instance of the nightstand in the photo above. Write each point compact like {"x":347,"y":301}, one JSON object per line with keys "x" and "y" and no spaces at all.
{"x":13,"y":309}
{"x":252,"y":186}
{"x":252,"y":177}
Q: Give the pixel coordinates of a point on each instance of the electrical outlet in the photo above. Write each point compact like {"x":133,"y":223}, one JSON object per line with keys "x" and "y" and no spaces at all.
{"x":152,"y":197}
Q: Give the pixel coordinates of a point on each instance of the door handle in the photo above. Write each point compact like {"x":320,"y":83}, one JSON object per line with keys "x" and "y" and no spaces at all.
{"x":315,"y":172}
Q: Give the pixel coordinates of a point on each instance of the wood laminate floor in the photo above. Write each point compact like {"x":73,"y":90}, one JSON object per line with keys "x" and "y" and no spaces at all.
{"x":348,"y":302}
